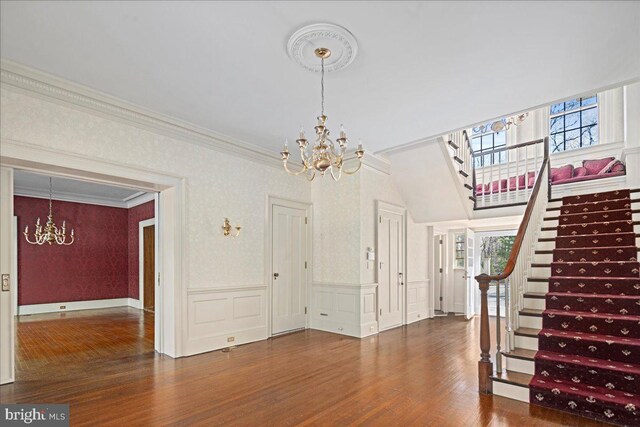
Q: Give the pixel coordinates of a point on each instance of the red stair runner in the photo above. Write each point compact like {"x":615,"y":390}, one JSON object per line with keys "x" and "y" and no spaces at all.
{"x":588,"y":361}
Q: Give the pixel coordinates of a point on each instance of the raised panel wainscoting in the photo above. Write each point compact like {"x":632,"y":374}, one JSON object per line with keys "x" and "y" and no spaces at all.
{"x":224,"y":317}
{"x":344,"y":308}
{"x":417,"y":302}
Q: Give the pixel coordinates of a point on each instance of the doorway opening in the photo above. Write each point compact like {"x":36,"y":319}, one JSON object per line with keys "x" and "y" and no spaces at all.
{"x":76,"y":300}
{"x":494,"y":251}
{"x":167,"y":197}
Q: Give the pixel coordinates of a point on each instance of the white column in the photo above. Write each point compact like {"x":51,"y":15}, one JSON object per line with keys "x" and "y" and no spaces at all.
{"x":631,"y":152}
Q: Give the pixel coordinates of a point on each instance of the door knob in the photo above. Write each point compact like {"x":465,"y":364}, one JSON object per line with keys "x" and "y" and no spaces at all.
{"x":275,"y":275}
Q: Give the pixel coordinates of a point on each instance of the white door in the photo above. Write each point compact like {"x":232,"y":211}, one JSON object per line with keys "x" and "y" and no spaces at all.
{"x":390,"y":269}
{"x":469,"y":306}
{"x":289,"y":281}
{"x":437,"y":265}
{"x":7,"y":331}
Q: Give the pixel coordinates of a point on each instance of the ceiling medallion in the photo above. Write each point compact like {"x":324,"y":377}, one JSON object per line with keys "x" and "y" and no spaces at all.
{"x":323,"y":155}
{"x":303,"y":43}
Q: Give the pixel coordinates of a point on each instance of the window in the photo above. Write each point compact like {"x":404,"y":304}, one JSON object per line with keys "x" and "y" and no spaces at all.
{"x":459,"y":263}
{"x":484,"y":139}
{"x":574,"y":124}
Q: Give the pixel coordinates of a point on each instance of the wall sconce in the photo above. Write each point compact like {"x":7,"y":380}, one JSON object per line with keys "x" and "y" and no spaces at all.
{"x":226,"y":229}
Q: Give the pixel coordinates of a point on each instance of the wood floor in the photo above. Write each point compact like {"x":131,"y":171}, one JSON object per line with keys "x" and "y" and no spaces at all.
{"x":423,"y":375}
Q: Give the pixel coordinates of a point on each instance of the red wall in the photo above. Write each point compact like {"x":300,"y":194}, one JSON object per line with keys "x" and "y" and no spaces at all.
{"x":136,"y":214}
{"x":94,"y":267}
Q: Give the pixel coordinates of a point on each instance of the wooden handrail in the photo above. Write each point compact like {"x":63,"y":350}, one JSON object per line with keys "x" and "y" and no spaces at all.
{"x":485,"y":367}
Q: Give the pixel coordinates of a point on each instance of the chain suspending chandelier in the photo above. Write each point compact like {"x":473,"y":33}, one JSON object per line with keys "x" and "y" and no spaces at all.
{"x":51,"y":233}
{"x":323,"y":155}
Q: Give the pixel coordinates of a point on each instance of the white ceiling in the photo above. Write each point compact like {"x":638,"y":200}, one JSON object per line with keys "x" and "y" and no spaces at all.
{"x":422,"y":68}
{"x":37,"y":185}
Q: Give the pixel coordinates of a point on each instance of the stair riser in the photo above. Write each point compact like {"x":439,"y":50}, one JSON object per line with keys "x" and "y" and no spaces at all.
{"x":535,"y":303}
{"x":629,"y":269}
{"x":546,"y":234}
{"x":541,"y":272}
{"x":593,"y":254}
{"x":543,"y":258}
{"x":520,"y":365}
{"x":545,"y":246}
{"x":529,"y":343}
{"x":595,"y":228}
{"x":530,"y":322}
{"x":599,"y":350}
{"x":538,"y":287}
{"x":628,"y":287}
{"x":619,"y":328}
{"x":596,"y":207}
{"x":587,"y":304}
{"x":511,"y":391}
{"x":597,"y":197}
{"x":580,"y":373}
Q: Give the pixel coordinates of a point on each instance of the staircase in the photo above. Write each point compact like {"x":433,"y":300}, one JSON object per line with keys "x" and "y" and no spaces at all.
{"x":577,"y":343}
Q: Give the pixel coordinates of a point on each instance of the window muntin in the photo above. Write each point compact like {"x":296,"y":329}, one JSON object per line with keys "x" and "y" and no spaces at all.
{"x":573,"y":124}
{"x":459,"y":251}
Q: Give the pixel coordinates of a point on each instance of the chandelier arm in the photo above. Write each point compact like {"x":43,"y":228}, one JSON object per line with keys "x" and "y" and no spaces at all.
{"x":35,"y":242}
{"x":334,"y":176}
{"x":310,"y":176}
{"x":286,"y":167}
{"x":355,"y":170}
{"x":70,"y":242}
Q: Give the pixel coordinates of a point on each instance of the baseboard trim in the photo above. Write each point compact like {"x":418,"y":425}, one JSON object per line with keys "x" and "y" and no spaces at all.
{"x":77,"y":305}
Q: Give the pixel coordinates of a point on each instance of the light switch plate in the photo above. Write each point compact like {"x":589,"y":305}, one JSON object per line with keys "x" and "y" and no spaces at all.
{"x":5,"y":283}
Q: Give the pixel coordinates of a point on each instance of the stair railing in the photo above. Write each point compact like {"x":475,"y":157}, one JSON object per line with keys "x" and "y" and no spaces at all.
{"x":514,"y":277}
{"x":501,"y":176}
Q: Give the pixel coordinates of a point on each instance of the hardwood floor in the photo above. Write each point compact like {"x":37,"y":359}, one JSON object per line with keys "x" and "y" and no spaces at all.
{"x":424,"y":374}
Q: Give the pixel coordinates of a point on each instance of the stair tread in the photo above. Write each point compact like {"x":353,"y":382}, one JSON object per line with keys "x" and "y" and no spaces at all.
{"x":512,"y":377}
{"x":564,"y":205}
{"x":521,"y":353}
{"x":588,"y":336}
{"x":595,"y":248}
{"x":531,"y":312}
{"x":557,"y":218}
{"x":590,"y":315}
{"x":592,"y":278}
{"x":539,"y":295}
{"x":592,"y":362}
{"x":528,"y":332}
{"x":584,"y":390}
{"x":586,"y":295}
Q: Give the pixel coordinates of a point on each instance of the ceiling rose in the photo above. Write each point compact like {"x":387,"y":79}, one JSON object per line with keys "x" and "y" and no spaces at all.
{"x":342,"y":44}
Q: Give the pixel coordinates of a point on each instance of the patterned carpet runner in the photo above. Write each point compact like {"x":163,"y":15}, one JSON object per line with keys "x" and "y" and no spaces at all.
{"x":588,"y":362}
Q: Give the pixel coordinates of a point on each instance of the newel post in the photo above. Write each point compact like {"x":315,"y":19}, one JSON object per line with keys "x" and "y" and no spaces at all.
{"x":485,"y":367}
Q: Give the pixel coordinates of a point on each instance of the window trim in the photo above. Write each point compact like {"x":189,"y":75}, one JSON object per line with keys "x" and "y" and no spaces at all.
{"x":579,"y":110}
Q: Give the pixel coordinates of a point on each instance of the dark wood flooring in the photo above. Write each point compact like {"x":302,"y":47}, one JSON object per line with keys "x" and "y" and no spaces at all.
{"x":424,"y":374}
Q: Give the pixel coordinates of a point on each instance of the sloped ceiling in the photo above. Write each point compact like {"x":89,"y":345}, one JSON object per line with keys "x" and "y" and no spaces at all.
{"x":423,"y":68}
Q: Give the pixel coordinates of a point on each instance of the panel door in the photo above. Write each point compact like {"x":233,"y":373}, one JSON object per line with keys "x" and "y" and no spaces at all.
{"x":289,"y":281}
{"x":469,"y":305}
{"x":390,"y":270}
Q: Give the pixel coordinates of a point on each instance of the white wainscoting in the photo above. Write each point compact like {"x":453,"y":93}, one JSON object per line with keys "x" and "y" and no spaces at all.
{"x":417,"y":302}
{"x":224,"y":317}
{"x":54,"y":307}
{"x":344,"y":308}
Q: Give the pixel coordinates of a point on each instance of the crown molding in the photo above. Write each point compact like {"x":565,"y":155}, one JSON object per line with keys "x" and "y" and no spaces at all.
{"x":69,"y":197}
{"x":24,"y":79}
{"x":139,"y":199}
{"x":27,"y":80}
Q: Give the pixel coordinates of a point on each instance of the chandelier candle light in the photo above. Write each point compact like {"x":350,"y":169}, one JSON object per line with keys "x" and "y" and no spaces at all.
{"x":323,"y":155}
{"x":51,"y":232}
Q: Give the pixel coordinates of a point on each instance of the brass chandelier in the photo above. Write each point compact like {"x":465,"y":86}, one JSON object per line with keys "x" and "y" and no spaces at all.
{"x":51,"y":233}
{"x":323,"y":155}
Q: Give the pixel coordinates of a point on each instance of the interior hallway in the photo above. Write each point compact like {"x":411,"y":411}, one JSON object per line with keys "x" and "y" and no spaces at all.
{"x":421,"y":374}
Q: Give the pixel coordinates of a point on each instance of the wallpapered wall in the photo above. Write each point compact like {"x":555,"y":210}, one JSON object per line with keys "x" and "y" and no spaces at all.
{"x":134,"y":216}
{"x":94,"y":267}
{"x":102,"y":263}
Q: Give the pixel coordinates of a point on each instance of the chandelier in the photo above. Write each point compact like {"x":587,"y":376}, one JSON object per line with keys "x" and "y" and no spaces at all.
{"x":51,"y":232}
{"x":323,"y":155}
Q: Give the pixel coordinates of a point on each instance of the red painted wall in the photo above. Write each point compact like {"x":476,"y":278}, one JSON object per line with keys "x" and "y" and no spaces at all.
{"x":136,"y":214}
{"x":94,"y":267}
